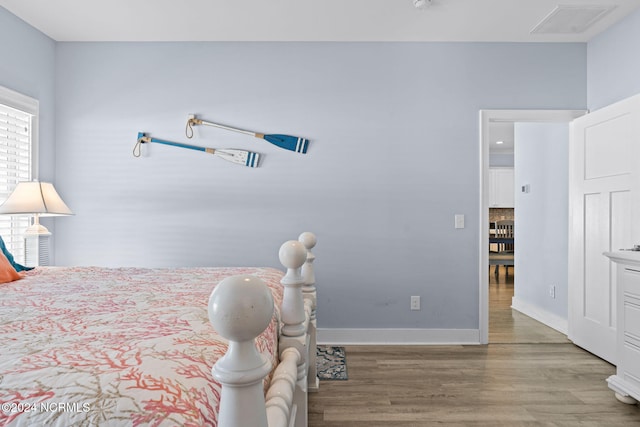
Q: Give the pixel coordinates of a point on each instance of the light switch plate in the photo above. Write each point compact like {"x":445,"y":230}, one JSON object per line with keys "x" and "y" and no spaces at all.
{"x":459,"y":221}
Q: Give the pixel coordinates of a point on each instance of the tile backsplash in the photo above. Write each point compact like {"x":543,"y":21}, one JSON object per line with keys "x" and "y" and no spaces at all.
{"x":497,"y":214}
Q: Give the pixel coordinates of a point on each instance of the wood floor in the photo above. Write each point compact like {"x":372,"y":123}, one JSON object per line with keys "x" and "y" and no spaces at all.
{"x":529,"y":375}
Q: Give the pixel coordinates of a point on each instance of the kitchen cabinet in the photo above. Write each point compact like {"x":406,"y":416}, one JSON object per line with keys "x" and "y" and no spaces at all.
{"x":501,"y":188}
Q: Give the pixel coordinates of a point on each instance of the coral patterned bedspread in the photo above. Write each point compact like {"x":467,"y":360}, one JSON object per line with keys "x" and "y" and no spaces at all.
{"x":85,"y":346}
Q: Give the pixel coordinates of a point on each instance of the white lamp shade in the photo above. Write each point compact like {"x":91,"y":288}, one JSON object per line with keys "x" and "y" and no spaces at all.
{"x":35,"y":198}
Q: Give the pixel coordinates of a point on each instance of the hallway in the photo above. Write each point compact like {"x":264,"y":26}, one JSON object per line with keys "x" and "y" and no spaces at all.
{"x":510,"y":326}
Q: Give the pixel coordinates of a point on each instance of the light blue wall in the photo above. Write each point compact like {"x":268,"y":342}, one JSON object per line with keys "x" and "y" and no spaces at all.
{"x":542,"y":216}
{"x":613,"y":64}
{"x":27,"y":66}
{"x":394,"y":155}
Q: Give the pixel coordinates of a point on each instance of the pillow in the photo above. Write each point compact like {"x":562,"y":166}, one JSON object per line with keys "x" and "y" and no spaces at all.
{"x":9,"y":257}
{"x":7,"y":272}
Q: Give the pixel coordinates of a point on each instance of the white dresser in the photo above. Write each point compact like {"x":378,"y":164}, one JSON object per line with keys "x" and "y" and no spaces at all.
{"x":626,"y":382}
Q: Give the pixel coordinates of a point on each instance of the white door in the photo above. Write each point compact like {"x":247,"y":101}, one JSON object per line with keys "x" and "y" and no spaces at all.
{"x":603,"y":166}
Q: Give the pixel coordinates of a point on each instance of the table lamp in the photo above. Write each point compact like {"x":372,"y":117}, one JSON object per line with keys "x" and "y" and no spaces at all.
{"x":37,"y":199}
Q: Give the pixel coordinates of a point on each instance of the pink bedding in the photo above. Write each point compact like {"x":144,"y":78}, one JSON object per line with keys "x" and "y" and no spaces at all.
{"x":129,"y":346}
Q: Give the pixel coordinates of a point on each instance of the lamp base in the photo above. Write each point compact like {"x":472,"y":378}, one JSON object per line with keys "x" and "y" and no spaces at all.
{"x":37,"y":229}
{"x":36,"y":248}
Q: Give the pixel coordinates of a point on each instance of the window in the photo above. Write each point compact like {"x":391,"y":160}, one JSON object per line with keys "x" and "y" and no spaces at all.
{"x":18,"y":143}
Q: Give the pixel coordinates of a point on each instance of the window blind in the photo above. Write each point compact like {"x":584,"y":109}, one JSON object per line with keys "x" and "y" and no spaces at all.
{"x":15,"y":166}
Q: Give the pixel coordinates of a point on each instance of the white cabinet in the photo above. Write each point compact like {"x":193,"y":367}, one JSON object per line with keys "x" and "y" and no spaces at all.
{"x":501,"y":188}
{"x":626,"y":382}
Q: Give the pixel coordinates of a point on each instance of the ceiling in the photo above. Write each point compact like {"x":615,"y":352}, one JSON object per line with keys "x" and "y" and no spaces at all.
{"x":501,"y":137}
{"x":305,"y":20}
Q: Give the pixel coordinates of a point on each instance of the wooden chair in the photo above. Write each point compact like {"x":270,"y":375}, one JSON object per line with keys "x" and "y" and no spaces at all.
{"x":504,"y":230}
{"x":505,"y":254}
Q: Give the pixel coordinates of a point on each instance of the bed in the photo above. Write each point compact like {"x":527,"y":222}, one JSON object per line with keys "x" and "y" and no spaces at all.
{"x":162,"y":347}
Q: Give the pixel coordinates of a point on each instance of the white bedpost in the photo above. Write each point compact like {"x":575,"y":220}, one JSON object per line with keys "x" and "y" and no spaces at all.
{"x":295,"y":319}
{"x":240,"y":308}
{"x":309,"y":241}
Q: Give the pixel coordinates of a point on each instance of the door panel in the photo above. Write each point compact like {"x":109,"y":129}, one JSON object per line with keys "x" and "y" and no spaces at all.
{"x":607,"y":148}
{"x":596,"y":267}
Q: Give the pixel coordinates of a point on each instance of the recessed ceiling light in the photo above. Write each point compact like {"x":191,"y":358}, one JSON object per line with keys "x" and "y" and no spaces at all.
{"x":499,"y":142}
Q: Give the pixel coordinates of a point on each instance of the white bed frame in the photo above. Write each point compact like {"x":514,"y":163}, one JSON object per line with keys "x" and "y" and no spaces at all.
{"x":240,"y":308}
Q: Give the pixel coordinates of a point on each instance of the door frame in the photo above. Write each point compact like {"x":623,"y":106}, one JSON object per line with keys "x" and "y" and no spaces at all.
{"x":487,"y":117}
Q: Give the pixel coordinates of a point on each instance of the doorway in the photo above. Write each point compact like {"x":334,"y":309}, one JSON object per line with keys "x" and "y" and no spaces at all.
{"x":488,"y":117}
{"x":501,"y":201}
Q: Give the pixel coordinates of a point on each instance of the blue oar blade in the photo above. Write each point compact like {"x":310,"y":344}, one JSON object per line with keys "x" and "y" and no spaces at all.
{"x":288,"y":142}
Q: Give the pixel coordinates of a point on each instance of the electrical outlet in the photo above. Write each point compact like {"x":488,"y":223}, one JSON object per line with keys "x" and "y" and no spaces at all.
{"x":552,"y":291}
{"x":415,"y":303}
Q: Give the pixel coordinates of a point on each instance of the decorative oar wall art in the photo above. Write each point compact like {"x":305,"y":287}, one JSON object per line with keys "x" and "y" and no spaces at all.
{"x":241,"y":157}
{"x":288,"y":142}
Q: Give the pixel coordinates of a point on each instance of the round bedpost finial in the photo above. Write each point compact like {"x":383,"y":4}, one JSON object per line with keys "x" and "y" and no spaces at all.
{"x":308,"y":239}
{"x":240,"y":307}
{"x":292,"y":254}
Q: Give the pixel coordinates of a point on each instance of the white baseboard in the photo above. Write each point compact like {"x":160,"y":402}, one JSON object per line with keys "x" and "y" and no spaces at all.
{"x":392,"y":336}
{"x":541,"y":315}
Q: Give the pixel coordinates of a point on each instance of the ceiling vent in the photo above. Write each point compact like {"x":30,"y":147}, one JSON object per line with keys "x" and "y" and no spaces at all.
{"x":571,"y":19}
{"x":422,"y":4}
